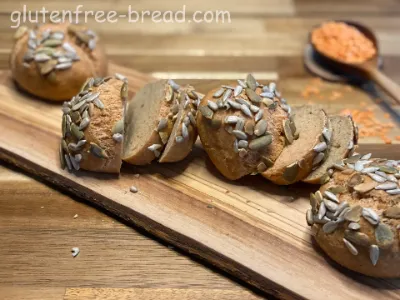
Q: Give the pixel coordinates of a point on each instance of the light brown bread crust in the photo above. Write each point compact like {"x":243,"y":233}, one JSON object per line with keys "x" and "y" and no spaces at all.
{"x":342,"y":143}
{"x":373,"y":236}
{"x":58,"y":85}
{"x":296,"y":160}
{"x":184,"y":132}
{"x":101,"y":150}
{"x":232,"y":155}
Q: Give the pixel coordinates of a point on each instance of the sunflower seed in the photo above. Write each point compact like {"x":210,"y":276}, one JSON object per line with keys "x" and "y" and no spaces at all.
{"x":243,"y":102}
{"x":330,"y":227}
{"x":63,"y":59}
{"x":233,"y":104}
{"x":382,"y":174}
{"x":238,"y":90}
{"x":359,"y":165}
{"x":374,"y":254}
{"x":324,"y":220}
{"x":92,"y":44}
{"x":272,"y":87}
{"x":219,"y":93}
{"x":84,"y":123}
{"x":227,"y":94}
{"x":91,"y":97}
{"x":354,"y":226}
{"x":96,"y":150}
{"x":330,"y":205}
{"x":353,"y":250}
{"x":366,"y":156}
{"x":185,"y":131}
{"x":261,"y":167}
{"x":252,"y":95}
{"x":376,"y":177}
{"x":309,"y":218}
{"x":260,"y":128}
{"x":63,"y":66}
{"x":320,"y":147}
{"x":58,"y":35}
{"x":81,"y":143}
{"x":231,"y":119}
{"x":259,"y":115}
{"x":370,"y":215}
{"x":154,"y":147}
{"x":261,"y":142}
{"x":350,"y":145}
{"x":268,"y":95}
{"x":245,"y":109}
{"x":41,"y":57}
{"x":393,"y":192}
{"x":386,"y":186}
{"x":239,"y":134}
{"x":369,"y":170}
{"x":342,"y":214}
{"x":318,"y":196}
{"x":239,"y":124}
{"x":338,"y":167}
{"x":78,"y":105}
{"x":254,"y":108}
{"x":291,"y":172}
{"x":384,"y":236}
{"x":68,"y":161}
{"x":73,"y":147}
{"x":353,"y":215}
{"x":386,"y":169}
{"x":391,"y":178}
{"x":118,"y":137}
{"x":97,"y":102}
{"x":32,"y":44}
{"x":76,"y":132}
{"x":74,"y":163}
{"x":321,"y":210}
{"x":243,"y":144}
{"x":172,"y":83}
{"x":286,"y":108}
{"x":212,"y":105}
{"x":318,"y":158}
{"x":331,"y":196}
{"x":206,"y":112}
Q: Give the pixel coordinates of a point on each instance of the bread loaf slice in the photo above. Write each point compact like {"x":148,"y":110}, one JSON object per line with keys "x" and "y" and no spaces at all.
{"x":90,"y":140}
{"x":184,"y":132}
{"x":342,"y":141}
{"x":297,"y":159}
{"x":149,"y":120}
{"x":241,"y":127}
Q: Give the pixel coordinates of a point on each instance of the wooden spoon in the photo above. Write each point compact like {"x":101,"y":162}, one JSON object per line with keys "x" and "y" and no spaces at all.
{"x":368,"y":69}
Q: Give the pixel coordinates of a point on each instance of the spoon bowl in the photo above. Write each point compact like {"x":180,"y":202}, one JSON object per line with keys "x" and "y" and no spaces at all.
{"x":367,"y":69}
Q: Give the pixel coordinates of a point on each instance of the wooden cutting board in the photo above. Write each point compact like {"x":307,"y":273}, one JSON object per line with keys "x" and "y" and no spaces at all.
{"x":250,"y":228}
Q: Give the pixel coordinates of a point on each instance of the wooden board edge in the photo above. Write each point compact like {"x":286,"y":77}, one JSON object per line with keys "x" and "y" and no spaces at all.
{"x":183,"y":242}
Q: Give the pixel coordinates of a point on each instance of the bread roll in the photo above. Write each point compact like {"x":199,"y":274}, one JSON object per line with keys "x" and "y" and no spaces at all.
{"x":356,"y":216}
{"x":54,"y":60}
{"x":300,"y":156}
{"x":92,"y":126}
{"x":241,"y":127}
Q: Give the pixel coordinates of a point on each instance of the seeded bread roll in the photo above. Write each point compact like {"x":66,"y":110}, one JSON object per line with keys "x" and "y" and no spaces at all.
{"x":149,"y":121}
{"x":300,"y":156}
{"x":342,"y":142}
{"x":54,"y":60}
{"x":356,"y":216}
{"x":241,"y":127}
{"x":92,"y":126}
{"x":184,"y":132}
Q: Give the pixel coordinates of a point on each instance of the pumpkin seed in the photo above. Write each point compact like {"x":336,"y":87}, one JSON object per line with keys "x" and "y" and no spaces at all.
{"x":261,"y":167}
{"x":370,"y":215}
{"x":261,"y":142}
{"x":45,"y":50}
{"x":64,"y":125}
{"x":337,"y":189}
{"x":374,"y":254}
{"x":268,"y":102}
{"x":75,"y":116}
{"x":239,"y":124}
{"x":313,"y":202}
{"x":206,"y":112}
{"x":324,"y":178}
{"x":76,"y":132}
{"x":353,"y":250}
{"x":319,"y":197}
{"x":353,"y":215}
{"x":84,"y":123}
{"x":291,"y":172}
{"x":96,"y":150}
{"x":355,"y":180}
{"x":287,"y":131}
{"x":365,"y":187}
{"x":354,"y":226}
{"x":251,"y":82}
{"x":309,"y":217}
{"x":252,"y":95}
{"x":118,"y":127}
{"x":249,"y":128}
{"x":389,"y":170}
{"x":392,"y":212}
{"x":164,"y":136}
{"x":260,"y":128}
{"x":357,"y":237}
{"x":52,"y":43}
{"x":384,"y":236}
{"x":330,"y":227}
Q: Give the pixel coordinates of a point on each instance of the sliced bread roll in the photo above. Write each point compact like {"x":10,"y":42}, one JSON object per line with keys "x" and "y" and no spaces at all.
{"x":342,"y":140}
{"x":90,"y":138}
{"x":184,"y":132}
{"x":297,"y":159}
{"x":241,"y":127}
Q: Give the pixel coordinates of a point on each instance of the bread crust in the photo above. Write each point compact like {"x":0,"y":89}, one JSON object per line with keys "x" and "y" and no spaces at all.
{"x":99,"y":132}
{"x":382,"y":234}
{"x":302,"y":166}
{"x":65,"y":83}
{"x":219,"y":142}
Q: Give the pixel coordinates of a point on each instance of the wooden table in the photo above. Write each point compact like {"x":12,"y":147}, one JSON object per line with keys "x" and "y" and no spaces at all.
{"x":37,"y":224}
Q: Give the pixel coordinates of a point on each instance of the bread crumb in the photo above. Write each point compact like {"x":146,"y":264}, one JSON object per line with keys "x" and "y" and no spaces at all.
{"x":133,"y":189}
{"x":42,"y":207}
{"x":75,"y":251}
{"x":76,"y":215}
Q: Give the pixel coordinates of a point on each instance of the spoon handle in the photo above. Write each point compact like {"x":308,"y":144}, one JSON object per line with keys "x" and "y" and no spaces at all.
{"x":387,"y":84}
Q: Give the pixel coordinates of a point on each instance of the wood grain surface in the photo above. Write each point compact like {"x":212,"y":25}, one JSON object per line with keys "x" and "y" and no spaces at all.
{"x":265,"y":37}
